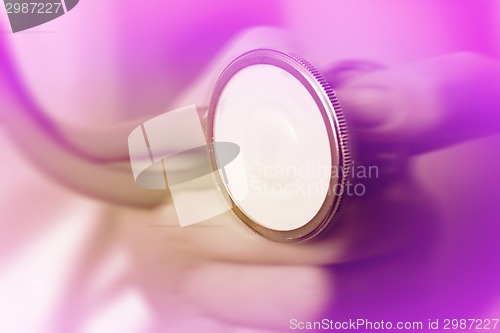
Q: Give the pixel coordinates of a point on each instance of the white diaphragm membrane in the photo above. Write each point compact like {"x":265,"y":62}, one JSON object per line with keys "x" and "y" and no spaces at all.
{"x":284,"y":146}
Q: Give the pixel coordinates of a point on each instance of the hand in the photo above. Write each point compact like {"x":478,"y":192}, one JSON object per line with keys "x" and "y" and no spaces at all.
{"x":395,"y":215}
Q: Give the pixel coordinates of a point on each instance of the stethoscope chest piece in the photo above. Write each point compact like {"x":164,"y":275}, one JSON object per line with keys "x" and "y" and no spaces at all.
{"x":293,"y":141}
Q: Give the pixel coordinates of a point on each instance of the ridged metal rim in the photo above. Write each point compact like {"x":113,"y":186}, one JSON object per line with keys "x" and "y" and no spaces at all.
{"x":335,"y":123}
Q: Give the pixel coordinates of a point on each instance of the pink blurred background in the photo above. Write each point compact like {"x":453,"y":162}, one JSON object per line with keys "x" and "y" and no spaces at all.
{"x":73,"y":263}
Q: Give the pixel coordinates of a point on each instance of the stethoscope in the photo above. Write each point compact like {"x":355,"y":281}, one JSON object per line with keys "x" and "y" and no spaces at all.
{"x":276,"y":150}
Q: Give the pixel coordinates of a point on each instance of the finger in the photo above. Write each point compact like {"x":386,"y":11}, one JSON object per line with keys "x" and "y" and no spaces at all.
{"x":430,"y":104}
{"x":376,"y":223}
{"x":258,"y":296}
